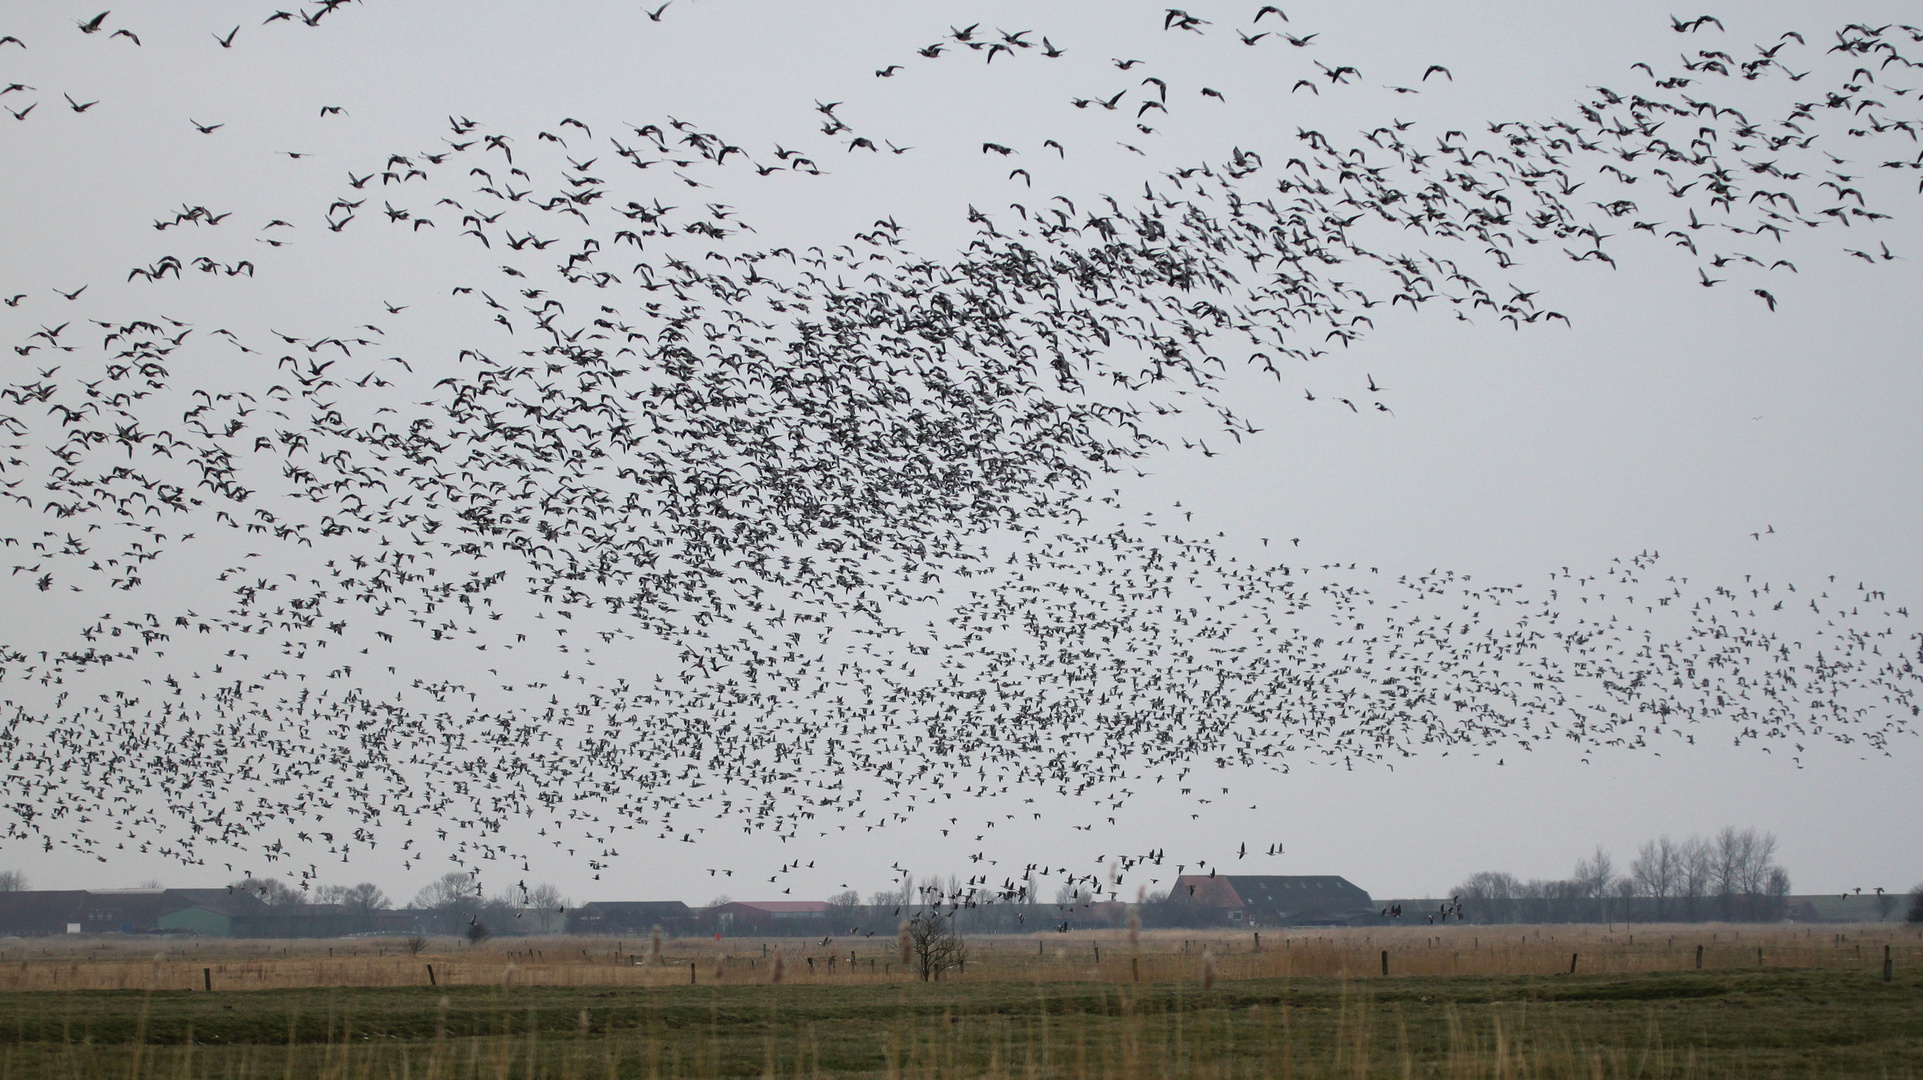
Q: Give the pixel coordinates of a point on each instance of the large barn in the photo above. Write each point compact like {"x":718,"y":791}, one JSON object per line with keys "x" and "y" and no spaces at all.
{"x":1273,"y":900}
{"x":634,"y":917}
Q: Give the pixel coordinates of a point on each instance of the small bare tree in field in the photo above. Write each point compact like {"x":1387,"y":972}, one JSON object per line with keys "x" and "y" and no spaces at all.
{"x":935,"y":945}
{"x":414,"y":945}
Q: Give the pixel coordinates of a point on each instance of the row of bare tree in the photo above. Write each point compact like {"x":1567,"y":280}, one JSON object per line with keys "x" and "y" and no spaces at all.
{"x":1731,"y":877}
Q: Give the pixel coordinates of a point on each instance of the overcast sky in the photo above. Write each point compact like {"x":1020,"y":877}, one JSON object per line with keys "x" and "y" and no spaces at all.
{"x":1665,"y":417}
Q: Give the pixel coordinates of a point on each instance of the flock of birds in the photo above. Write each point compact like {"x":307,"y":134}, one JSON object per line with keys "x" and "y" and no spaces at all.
{"x":856,"y":497}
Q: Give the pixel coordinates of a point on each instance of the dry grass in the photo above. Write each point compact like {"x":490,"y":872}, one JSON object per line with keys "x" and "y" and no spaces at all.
{"x":1598,"y":1027}
{"x":113,"y":962}
{"x":1461,"y":1002}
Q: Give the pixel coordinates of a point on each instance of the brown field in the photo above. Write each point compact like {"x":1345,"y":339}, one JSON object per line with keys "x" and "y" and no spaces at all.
{"x":113,"y":962}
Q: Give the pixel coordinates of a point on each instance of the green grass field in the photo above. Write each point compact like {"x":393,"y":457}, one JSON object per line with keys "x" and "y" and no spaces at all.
{"x":1778,"y":1022}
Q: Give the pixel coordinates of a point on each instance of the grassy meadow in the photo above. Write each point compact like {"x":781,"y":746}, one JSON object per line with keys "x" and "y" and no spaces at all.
{"x":1461,"y":1001}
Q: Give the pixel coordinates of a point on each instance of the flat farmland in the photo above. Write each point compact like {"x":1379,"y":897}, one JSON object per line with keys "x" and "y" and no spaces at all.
{"x":1461,"y":1001}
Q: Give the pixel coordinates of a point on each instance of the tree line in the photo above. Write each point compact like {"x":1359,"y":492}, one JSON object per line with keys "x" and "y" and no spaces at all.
{"x":1729,"y":877}
{"x":451,"y":904}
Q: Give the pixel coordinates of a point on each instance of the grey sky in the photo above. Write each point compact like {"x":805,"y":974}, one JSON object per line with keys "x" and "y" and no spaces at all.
{"x":1667,"y":417}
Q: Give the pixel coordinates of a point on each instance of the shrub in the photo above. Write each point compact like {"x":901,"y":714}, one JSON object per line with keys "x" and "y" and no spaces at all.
{"x":934,"y":944}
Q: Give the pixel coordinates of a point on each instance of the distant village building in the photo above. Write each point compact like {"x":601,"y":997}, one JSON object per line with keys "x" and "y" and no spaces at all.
{"x":771,"y":917}
{"x":207,"y":912}
{"x":219,"y":916}
{"x":635,"y":918}
{"x":97,"y":911}
{"x":1272,"y":900}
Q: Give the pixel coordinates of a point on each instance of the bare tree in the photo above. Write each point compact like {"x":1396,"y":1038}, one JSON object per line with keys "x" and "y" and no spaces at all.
{"x":446,"y":891}
{"x":414,"y":944}
{"x":478,"y":932}
{"x":1658,"y":873}
{"x":1729,"y":860}
{"x":935,"y":945}
{"x":1698,"y":871}
{"x":365,"y":898}
{"x":1593,"y":877}
{"x":1595,"y":873}
{"x":1759,"y":865}
{"x":1625,"y":891}
{"x":1742,"y":864}
{"x":13,"y":881}
{"x":267,"y":890}
{"x":1776,"y":890}
{"x":1489,"y":896}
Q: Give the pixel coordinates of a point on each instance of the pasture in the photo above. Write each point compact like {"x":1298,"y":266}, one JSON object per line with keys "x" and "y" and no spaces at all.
{"x":1461,"y":1001}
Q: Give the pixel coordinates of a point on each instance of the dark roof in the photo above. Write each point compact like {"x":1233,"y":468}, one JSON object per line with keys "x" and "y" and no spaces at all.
{"x":1271,"y":892}
{"x":40,"y":912}
{"x":207,"y":898}
{"x":50,"y":911}
{"x":219,"y":905}
{"x":666,"y":908}
{"x":631,"y":917}
{"x":1299,"y":893}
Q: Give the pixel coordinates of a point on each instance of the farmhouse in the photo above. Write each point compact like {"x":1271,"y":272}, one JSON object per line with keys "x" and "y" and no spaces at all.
{"x":208,"y":912}
{"x":1272,"y":900}
{"x":771,"y":917}
{"x":634,"y":918}
{"x":101,"y":911}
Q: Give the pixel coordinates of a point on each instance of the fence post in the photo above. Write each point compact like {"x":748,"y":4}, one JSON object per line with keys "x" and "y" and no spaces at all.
{"x":690,"y":973}
{"x":1699,"y":958}
{"x":207,"y":976}
{"x":1889,"y":965}
{"x":431,"y":981}
{"x":1572,"y":962}
{"x":1385,"y":962}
